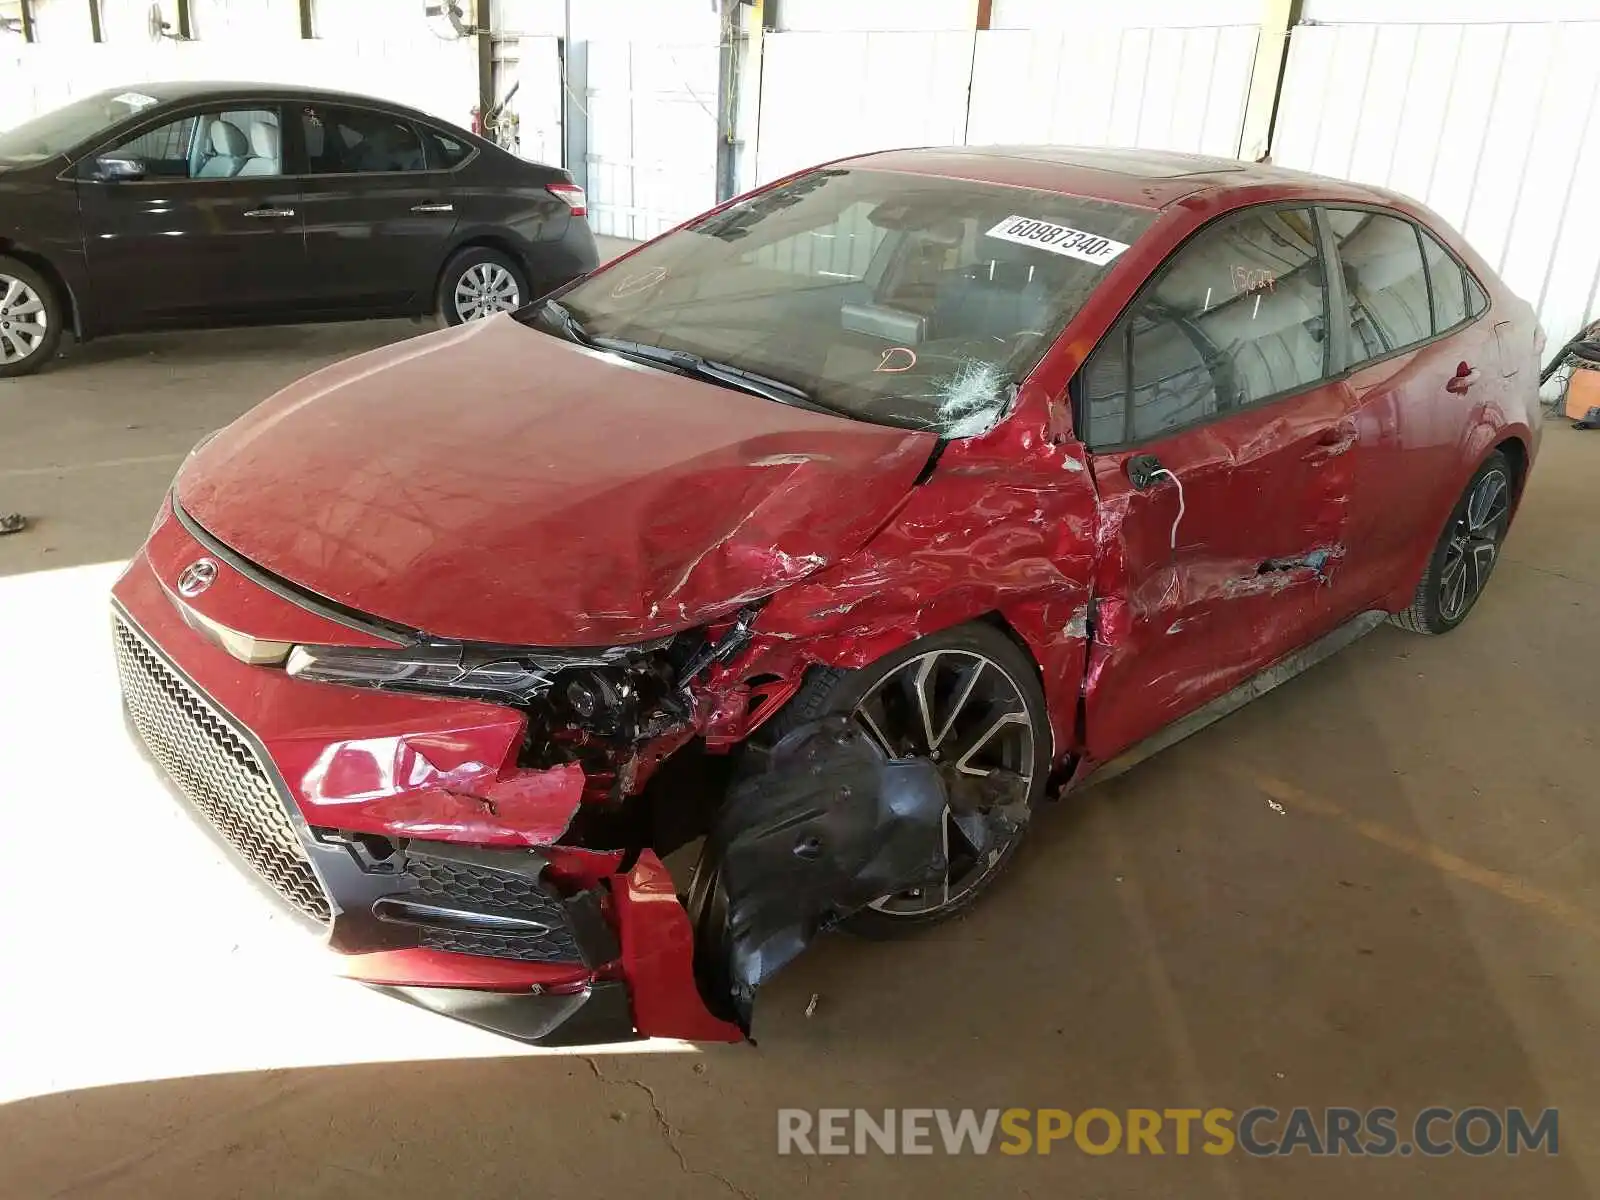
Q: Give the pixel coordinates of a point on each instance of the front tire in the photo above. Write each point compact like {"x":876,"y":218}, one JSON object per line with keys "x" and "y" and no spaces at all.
{"x":31,"y":319}
{"x":478,"y":283}
{"x":1466,"y":553}
{"x":976,"y":696}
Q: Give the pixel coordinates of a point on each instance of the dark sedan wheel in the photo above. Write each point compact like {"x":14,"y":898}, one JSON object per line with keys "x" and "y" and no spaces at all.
{"x":1466,"y":554}
{"x":30,"y":319}
{"x":479,"y":283}
{"x":970,"y":700}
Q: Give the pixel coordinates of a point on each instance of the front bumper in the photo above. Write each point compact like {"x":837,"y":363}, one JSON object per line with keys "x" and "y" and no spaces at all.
{"x":541,"y":942}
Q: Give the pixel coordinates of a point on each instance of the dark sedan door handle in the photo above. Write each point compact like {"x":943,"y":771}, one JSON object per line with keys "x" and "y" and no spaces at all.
{"x":269,"y":213}
{"x":426,"y":208}
{"x":1465,"y":377}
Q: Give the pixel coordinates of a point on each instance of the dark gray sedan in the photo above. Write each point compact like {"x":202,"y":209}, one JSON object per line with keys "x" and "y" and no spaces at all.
{"x":183,"y":205}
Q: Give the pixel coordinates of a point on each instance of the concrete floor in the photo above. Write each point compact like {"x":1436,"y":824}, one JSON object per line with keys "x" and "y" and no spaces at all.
{"x":1377,"y":886}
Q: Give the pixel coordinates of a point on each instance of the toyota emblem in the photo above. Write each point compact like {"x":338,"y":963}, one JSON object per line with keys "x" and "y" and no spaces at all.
{"x":197,"y":577}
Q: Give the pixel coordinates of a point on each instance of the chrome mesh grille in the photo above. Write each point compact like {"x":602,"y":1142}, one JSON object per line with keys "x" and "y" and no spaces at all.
{"x":217,"y":770}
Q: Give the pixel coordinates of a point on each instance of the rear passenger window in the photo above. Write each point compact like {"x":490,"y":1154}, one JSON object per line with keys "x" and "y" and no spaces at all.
{"x":358,"y":141}
{"x":444,"y":151}
{"x":1476,"y":300}
{"x":1448,"y":284}
{"x":1234,"y":318}
{"x":1386,"y":289}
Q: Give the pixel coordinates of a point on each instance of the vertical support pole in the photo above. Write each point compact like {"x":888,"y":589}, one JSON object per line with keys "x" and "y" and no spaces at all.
{"x":96,"y":30}
{"x":484,"y":37}
{"x":28,"y":32}
{"x":185,"y":23}
{"x":729,"y":39}
{"x":308,"y":28}
{"x":574,"y":118}
{"x":1278,"y":19}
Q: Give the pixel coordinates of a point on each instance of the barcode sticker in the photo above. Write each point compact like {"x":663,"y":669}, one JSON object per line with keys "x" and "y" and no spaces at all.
{"x":1058,"y":239}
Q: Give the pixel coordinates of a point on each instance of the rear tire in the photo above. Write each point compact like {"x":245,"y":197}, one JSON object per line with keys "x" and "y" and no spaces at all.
{"x":31,"y":319}
{"x":1466,"y":553}
{"x":478,"y":283}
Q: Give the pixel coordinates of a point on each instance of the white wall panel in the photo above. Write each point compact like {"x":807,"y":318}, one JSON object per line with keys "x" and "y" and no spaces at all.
{"x":835,"y":16}
{"x":57,"y":21}
{"x":1168,"y":89}
{"x":652,"y":134}
{"x":1445,"y":12}
{"x":1495,"y":125}
{"x":825,"y":95}
{"x":1149,"y":14}
{"x":263,"y":22}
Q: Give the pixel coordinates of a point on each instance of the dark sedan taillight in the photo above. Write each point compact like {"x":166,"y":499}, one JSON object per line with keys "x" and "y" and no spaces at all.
{"x":572,"y":196}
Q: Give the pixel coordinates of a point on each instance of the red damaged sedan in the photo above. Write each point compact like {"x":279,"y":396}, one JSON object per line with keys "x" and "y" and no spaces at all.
{"x":836,"y":529}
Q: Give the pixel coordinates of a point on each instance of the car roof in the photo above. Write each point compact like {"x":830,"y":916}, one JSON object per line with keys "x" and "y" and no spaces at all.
{"x":1142,"y":178}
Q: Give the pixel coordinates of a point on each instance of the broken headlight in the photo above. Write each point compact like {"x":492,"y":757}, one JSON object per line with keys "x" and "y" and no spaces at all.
{"x":587,"y":684}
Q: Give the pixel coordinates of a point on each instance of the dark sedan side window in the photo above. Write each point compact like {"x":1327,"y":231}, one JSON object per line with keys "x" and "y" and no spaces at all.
{"x":217,"y":143}
{"x":343,"y":141}
{"x":445,"y":151}
{"x":1235,"y":317}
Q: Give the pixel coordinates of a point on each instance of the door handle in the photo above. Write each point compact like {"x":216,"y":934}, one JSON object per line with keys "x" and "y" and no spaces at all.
{"x":1463,"y":379}
{"x":1332,"y":442}
{"x":268,"y":213}
{"x":427,"y":208}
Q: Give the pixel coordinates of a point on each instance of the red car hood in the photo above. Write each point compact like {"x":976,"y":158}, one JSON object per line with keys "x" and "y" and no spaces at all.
{"x":492,"y":483}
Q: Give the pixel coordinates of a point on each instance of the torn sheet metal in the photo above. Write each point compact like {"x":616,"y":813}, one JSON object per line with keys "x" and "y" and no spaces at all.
{"x":830,"y":826}
{"x":1257,"y":564}
{"x":1001,"y":528}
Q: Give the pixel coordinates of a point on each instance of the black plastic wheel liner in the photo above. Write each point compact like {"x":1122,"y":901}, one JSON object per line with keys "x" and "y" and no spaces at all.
{"x":830,"y":825}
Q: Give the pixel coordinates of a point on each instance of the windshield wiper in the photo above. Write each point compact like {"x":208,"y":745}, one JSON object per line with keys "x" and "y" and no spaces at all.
{"x":694,"y":365}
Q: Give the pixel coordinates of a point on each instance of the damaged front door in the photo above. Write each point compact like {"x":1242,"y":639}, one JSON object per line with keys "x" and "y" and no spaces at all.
{"x":829,"y":825}
{"x":1220,"y":454}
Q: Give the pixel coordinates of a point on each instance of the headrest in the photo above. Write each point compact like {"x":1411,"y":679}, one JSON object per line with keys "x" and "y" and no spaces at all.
{"x":227,"y":138}
{"x":263,"y":140}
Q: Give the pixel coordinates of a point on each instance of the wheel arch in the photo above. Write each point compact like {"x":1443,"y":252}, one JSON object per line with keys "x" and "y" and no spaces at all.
{"x":487,"y":240}
{"x":1515,"y":449}
{"x":52,"y":275}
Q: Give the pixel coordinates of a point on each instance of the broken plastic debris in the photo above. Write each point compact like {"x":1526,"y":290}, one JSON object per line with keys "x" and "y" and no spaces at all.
{"x":1276,"y":807}
{"x":812,"y":1006}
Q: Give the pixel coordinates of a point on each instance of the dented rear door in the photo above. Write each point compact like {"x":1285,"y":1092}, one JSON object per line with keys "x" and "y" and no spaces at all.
{"x":1214,"y":390}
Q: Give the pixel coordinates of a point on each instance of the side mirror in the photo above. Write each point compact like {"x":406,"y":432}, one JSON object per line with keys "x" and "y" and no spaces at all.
{"x":119,"y":170}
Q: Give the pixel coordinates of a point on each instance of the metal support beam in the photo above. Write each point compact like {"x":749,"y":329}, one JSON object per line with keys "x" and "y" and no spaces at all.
{"x":481,"y":24}
{"x":184,"y":23}
{"x":308,"y":28}
{"x":96,"y":31}
{"x":28,"y":33}
{"x":1278,"y":19}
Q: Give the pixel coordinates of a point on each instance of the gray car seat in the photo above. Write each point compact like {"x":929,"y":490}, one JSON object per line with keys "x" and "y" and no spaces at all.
{"x":265,"y":154}
{"x":1000,"y":297}
{"x":229,"y":149}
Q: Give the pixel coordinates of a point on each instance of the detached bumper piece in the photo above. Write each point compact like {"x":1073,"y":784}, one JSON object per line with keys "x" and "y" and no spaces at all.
{"x":482,"y":935}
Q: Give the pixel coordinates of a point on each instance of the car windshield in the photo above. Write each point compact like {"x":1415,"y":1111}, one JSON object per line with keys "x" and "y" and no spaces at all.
{"x":894,"y":298}
{"x":63,"y":129}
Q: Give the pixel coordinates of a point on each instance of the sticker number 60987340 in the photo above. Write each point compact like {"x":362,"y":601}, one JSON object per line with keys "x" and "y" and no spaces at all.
{"x":1058,"y":239}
